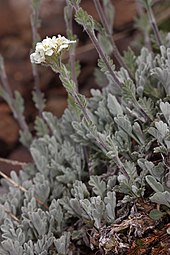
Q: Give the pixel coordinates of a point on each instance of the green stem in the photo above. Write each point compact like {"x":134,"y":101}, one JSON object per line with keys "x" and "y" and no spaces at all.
{"x":154,"y":24}
{"x":4,"y":79}
{"x":8,"y":90}
{"x":103,"y":56}
{"x":101,"y":144}
{"x":100,"y":51}
{"x":72,"y":56}
{"x":105,"y":24}
{"x":35,"y":37}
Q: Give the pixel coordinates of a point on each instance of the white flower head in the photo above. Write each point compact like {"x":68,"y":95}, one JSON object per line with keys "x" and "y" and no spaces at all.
{"x":48,"y":47}
{"x":37,"y":57}
{"x":62,"y":43}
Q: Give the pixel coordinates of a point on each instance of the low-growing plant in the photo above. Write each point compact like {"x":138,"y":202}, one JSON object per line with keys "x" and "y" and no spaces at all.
{"x":98,"y":172}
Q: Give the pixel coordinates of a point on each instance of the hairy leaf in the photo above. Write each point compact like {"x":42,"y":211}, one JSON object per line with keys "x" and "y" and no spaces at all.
{"x":99,"y":186}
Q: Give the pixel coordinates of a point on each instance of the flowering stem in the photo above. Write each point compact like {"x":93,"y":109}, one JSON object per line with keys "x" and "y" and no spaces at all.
{"x":35,"y":36}
{"x":100,"y":51}
{"x":35,"y":21}
{"x":102,"y":56}
{"x":83,"y":109}
{"x":10,"y":98}
{"x":68,"y":19}
{"x":65,"y":77}
{"x":105,"y":24}
{"x":99,"y":141}
{"x":153,"y":24}
{"x":36,"y":82}
{"x":89,"y":121}
{"x":102,"y":16}
{"x":145,"y":29}
{"x":4,"y":79}
{"x":72,"y":64}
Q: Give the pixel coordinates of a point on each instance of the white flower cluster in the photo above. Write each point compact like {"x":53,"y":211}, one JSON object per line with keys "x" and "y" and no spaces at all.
{"x":48,"y":47}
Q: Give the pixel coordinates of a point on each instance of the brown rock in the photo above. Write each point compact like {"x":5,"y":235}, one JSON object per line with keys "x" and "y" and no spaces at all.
{"x":15,"y":160}
{"x":4,"y":108}
{"x":8,"y":129}
{"x":56,"y":106}
{"x":7,"y":25}
{"x":125,"y":11}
